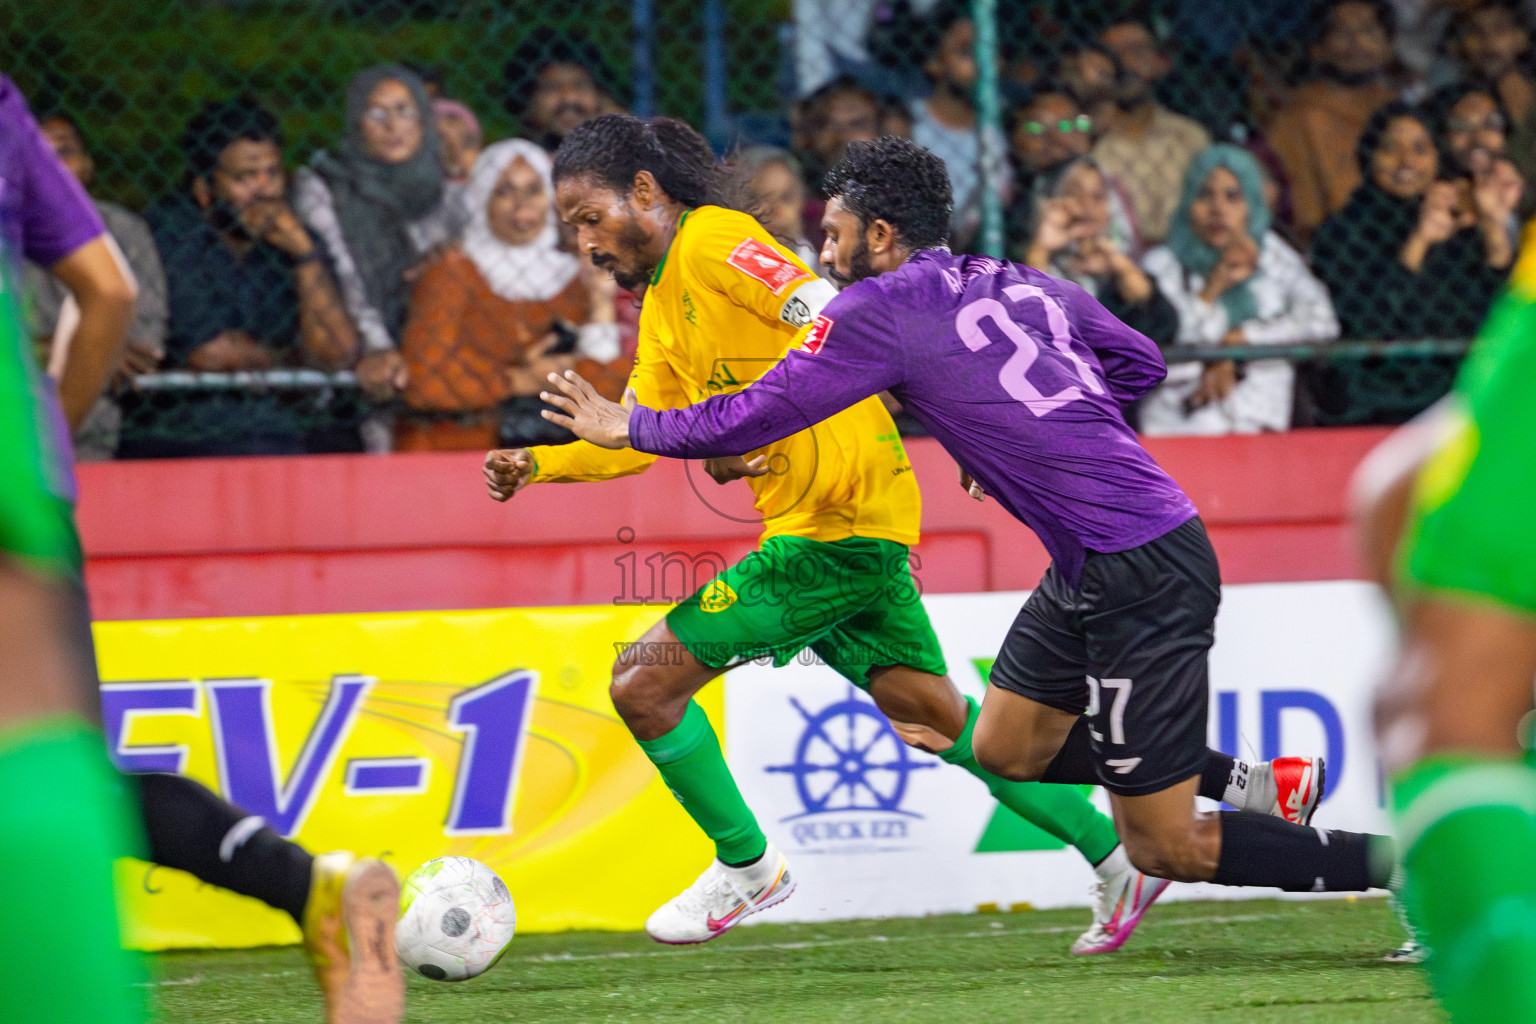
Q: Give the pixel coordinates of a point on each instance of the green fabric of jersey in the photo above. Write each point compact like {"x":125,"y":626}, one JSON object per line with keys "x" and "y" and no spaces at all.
{"x":1473,"y":522}
{"x":852,"y":602}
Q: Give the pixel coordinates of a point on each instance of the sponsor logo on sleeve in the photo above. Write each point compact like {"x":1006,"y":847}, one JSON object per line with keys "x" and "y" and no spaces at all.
{"x":765,"y":264}
{"x":817,"y":336}
{"x":796,"y":312}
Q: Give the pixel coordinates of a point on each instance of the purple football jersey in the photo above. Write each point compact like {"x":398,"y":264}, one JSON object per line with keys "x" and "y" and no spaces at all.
{"x":1021,"y":376}
{"x":44,"y":216}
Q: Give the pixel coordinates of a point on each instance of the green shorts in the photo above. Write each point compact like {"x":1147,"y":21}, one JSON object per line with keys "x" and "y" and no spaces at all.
{"x":1472,"y":526}
{"x":851,"y":602}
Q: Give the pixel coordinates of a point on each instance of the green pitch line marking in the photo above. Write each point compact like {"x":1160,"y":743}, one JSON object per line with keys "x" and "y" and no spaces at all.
{"x":993,"y":933}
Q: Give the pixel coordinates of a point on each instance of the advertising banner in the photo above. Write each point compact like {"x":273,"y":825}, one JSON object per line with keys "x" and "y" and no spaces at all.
{"x":490,"y":734}
{"x":875,"y":828}
{"x":487,"y":734}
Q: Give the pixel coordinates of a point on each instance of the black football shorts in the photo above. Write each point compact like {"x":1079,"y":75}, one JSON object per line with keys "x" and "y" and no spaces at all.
{"x":1127,"y":647}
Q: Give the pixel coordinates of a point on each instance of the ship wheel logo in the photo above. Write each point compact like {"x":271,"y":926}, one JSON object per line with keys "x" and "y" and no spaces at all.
{"x":850,"y":759}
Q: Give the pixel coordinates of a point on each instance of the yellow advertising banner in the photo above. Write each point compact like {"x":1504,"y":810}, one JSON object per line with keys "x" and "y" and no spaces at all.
{"x":486,"y":734}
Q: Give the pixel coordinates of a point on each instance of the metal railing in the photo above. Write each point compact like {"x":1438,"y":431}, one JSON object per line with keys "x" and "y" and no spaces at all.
{"x":317,"y":380}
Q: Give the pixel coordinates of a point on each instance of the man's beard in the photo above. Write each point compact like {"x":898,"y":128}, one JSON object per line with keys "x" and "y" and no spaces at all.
{"x":859,"y":267}
{"x":956,"y":90}
{"x":1352,"y":79}
{"x":224,"y":217}
{"x":1134,"y":97}
{"x":569,"y":115}
{"x":632,"y":238}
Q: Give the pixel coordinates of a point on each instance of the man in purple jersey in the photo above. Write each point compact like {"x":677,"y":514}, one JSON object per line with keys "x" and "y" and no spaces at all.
{"x":45,"y":216}
{"x":1022,"y":377}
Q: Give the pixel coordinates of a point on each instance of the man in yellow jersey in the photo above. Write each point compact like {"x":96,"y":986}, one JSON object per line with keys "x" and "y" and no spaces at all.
{"x":840,"y":510}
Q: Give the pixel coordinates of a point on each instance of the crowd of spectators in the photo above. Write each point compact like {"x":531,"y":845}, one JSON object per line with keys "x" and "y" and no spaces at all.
{"x":1344,"y":168}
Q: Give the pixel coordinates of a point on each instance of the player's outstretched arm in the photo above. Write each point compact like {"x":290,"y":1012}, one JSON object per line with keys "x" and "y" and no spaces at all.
{"x":586,"y":413}
{"x":768,"y":411}
{"x":839,"y":364}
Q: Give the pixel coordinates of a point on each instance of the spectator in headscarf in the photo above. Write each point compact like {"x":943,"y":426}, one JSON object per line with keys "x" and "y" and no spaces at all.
{"x":379,"y":204}
{"x":1316,"y":132}
{"x":1403,"y":259}
{"x":1082,"y":231}
{"x":1233,"y":281}
{"x":492,"y":318}
{"x":459,"y":138}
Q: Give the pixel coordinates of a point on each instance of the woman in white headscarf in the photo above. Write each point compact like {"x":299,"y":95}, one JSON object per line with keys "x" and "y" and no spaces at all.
{"x":494,"y":316}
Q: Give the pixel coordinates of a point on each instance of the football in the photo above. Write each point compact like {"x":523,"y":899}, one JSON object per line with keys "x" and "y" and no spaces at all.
{"x":456,"y":919}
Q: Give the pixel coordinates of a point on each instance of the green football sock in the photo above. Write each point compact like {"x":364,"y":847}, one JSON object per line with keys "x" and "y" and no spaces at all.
{"x":1468,"y":831}
{"x":63,"y":816}
{"x":1063,"y":811}
{"x":690,"y":761}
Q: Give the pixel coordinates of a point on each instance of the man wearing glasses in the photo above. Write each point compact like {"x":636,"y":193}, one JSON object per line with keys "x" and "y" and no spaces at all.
{"x":1046,"y":134}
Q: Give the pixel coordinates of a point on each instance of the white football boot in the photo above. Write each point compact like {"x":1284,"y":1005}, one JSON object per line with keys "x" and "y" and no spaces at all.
{"x":722,"y":898}
{"x":1120,"y":897}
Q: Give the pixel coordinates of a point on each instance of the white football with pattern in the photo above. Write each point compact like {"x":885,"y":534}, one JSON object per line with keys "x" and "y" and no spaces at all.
{"x":456,"y":919}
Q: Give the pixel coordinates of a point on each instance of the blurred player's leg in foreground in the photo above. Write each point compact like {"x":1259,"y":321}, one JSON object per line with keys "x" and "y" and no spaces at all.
{"x":62,"y":823}
{"x":190,"y":828}
{"x":63,"y":819}
{"x":1452,"y":539}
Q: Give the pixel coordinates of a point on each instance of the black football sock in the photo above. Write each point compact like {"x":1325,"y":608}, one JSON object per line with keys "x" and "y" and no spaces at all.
{"x":191,"y":828}
{"x":1224,"y":777}
{"x":1257,"y":849}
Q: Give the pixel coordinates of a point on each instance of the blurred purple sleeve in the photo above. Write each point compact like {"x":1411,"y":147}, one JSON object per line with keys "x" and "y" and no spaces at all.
{"x":851,"y":351}
{"x":56,"y":216}
{"x":1133,"y":364}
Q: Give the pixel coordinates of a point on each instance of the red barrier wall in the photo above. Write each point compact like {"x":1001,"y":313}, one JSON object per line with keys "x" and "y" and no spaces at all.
{"x":257,"y":536}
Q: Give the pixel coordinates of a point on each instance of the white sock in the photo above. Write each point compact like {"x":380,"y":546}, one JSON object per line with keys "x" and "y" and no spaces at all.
{"x":1237,"y":785}
{"x":760,"y":870}
{"x":1115,"y":863}
{"x":1260,"y":795}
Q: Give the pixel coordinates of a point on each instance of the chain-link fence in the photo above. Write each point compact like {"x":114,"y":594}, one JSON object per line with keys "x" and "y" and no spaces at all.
{"x":339,"y":212}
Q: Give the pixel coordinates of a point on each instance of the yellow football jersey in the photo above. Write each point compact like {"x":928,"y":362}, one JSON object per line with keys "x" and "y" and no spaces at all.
{"x":725,"y":305}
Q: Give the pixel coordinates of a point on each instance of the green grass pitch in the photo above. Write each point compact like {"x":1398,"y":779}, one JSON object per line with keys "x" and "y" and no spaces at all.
{"x":1248,"y":962}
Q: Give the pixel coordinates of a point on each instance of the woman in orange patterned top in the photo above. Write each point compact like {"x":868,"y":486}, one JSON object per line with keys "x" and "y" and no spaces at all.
{"x":492,"y":317}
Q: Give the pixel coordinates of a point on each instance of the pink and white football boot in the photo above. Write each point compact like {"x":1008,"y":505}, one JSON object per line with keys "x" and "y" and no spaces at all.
{"x":1120,"y":897}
